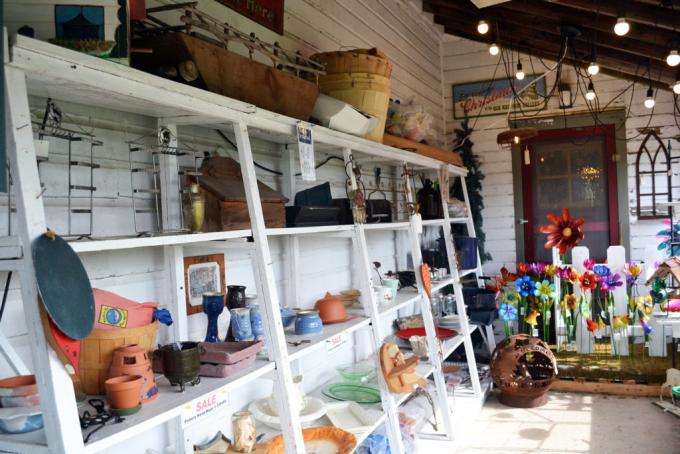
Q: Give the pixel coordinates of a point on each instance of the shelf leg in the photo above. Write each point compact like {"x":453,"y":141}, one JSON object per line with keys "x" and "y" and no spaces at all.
{"x":290,"y":423}
{"x":60,"y":413}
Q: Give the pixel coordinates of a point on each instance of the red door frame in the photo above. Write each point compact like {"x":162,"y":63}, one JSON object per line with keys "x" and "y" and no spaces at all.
{"x":609,"y":133}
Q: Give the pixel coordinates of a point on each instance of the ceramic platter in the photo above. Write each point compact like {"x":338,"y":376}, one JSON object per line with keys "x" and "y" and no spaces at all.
{"x":442,"y":333}
{"x":349,"y":416}
{"x":355,"y":392}
{"x":315,"y":409}
{"x":319,"y":440}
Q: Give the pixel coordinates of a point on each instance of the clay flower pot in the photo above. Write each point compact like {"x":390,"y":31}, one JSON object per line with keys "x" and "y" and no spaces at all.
{"x":124,"y":392}
{"x":133,"y":360}
{"x":331,"y":309}
{"x":19,"y":385}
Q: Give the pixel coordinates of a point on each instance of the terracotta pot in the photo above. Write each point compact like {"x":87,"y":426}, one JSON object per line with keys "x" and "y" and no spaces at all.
{"x":133,"y":360}
{"x":331,"y":309}
{"x":20,"y":385}
{"x":124,"y":391}
{"x":523,"y":368}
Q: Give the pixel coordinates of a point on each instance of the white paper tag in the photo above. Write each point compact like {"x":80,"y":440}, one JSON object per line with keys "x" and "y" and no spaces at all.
{"x":336,"y":342}
{"x":535,"y":332}
{"x":205,"y":407}
{"x":306,"y":149}
{"x":521,"y":311}
{"x":598,"y":334}
{"x":617,"y":336}
{"x":568,"y":314}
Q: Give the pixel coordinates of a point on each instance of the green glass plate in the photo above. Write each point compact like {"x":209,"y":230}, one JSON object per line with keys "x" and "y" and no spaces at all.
{"x":361,"y":394}
{"x":676,"y":391}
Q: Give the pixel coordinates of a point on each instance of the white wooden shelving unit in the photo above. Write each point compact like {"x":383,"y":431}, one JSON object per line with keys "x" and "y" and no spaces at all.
{"x":41,"y":69}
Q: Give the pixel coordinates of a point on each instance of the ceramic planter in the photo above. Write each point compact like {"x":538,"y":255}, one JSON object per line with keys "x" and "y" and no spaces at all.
{"x":133,"y":360}
{"x":181,"y":363}
{"x":124,"y":392}
{"x":20,"y":385}
{"x":331,"y":309}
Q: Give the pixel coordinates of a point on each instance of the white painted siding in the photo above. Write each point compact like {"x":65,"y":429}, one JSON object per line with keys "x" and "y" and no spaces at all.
{"x":468,"y":61}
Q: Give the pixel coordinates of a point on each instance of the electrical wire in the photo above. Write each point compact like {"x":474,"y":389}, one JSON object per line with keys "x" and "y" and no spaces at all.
{"x":4,"y":294}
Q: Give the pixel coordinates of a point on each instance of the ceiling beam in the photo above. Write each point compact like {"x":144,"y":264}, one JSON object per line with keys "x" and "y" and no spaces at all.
{"x":549,"y":49}
{"x":657,"y":16}
{"x":551,"y":25}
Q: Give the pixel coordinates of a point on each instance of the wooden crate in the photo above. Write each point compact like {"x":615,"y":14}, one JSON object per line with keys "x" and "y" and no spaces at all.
{"x":603,"y":386}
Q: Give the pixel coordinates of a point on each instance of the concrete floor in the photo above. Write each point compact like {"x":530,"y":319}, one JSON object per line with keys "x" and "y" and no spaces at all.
{"x":574,"y":423}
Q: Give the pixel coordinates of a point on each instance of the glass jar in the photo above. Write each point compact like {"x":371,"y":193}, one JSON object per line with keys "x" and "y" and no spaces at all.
{"x":436,"y":305}
{"x":450,"y":304}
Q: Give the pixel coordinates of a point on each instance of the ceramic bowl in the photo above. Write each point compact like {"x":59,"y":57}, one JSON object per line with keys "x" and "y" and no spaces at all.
{"x":29,"y":400}
{"x":20,"y":385}
{"x":308,"y":322}
{"x":261,"y":410}
{"x":288,"y":316}
{"x":360,"y":373}
{"x":20,"y":420}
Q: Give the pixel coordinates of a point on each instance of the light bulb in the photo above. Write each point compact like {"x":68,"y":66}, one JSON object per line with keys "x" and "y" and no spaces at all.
{"x":622,"y":26}
{"x":493,"y":49}
{"x":520,"y":73}
{"x":673,"y":58}
{"x":649,"y":101}
{"x":593,"y":68}
{"x":482,"y":27}
{"x":590,"y":94}
{"x":516,"y":139}
{"x":676,"y":87}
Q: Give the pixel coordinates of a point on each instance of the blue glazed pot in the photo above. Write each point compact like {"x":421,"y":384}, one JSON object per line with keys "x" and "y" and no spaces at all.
{"x":240,"y":324}
{"x":288,"y":316}
{"x":19,"y":424}
{"x":256,"y":322}
{"x":308,"y":322}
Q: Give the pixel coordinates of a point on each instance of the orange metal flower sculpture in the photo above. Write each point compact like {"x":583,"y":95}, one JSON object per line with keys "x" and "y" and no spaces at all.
{"x":564,"y":233}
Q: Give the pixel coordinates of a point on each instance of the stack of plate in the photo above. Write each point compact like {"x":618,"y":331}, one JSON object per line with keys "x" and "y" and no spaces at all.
{"x":450,"y":322}
{"x":349,"y":297}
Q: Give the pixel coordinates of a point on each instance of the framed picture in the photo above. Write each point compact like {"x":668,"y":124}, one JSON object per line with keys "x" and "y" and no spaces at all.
{"x":202,"y":273}
{"x":268,"y":13}
{"x":494,"y":97}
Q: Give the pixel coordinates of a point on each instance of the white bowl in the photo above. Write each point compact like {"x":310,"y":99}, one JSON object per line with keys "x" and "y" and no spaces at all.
{"x":261,"y":411}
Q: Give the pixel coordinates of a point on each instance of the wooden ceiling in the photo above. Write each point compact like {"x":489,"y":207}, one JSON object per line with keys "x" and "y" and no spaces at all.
{"x":535,"y":27}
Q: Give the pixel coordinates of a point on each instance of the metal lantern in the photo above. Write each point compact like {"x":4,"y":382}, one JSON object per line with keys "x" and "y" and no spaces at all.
{"x":523,"y":368}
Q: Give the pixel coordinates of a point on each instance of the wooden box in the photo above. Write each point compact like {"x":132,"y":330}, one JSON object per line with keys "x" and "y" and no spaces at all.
{"x":225,"y":198}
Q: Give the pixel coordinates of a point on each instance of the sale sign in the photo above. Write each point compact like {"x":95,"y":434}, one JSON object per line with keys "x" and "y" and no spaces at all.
{"x":268,"y":13}
{"x":205,"y":406}
{"x":336,"y":342}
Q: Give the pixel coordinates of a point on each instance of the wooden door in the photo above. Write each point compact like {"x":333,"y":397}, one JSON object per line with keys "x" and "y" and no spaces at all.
{"x":572,"y":168}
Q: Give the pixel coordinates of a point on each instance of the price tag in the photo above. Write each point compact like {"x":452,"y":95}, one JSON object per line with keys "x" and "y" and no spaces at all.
{"x":535,"y":332}
{"x":206,"y":406}
{"x":306,"y":149}
{"x":336,"y":342}
{"x":598,"y":334}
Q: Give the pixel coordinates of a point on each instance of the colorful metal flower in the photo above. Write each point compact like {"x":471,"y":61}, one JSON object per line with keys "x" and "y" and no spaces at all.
{"x":588,"y":281}
{"x":589,"y":264}
{"x":523,"y":268}
{"x":570,"y":301}
{"x":646,"y":327}
{"x":633,"y":271}
{"x":666,"y":235}
{"x":600,"y":323}
{"x":507,"y":312}
{"x":537,"y":268}
{"x":511,"y":298}
{"x":584,"y":308}
{"x":545,"y":290}
{"x":602,"y":270}
{"x":564,"y":233}
{"x":573,"y":276}
{"x":620,"y":322}
{"x":610,"y":282}
{"x":591,"y":325}
{"x":531,"y":318}
{"x":645,"y":304}
{"x":550,"y":271}
{"x":524,"y":285}
{"x":563,"y":272}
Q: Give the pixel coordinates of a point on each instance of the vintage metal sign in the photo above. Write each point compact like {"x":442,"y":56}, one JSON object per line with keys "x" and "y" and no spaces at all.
{"x":494,"y":97}
{"x":268,"y":13}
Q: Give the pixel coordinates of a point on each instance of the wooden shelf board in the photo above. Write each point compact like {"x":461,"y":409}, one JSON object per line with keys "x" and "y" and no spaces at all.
{"x":310,"y":230}
{"x":127,"y":242}
{"x":319,"y":340}
{"x":403,"y":299}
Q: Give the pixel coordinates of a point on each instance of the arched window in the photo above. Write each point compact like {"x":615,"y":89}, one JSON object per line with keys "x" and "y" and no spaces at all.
{"x":652,"y":176}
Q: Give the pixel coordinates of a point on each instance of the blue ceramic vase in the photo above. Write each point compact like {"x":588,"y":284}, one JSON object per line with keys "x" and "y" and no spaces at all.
{"x":213,"y":305}
{"x":240,"y":324}
{"x":256,"y":325}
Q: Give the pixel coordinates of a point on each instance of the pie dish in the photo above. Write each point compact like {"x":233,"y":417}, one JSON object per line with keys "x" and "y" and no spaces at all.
{"x":319,"y":440}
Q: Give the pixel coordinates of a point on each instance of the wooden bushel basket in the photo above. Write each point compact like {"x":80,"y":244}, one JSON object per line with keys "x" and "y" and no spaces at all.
{"x":97,"y":352}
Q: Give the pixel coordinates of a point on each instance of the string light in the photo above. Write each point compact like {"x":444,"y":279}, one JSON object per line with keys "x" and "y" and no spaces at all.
{"x":493,"y":49}
{"x":593,"y":68}
{"x":622,"y":26}
{"x":673,"y":58}
{"x":520,"y":72}
{"x":676,"y":87}
{"x":590,"y":94}
{"x":516,"y":140}
{"x":482,"y":27}
{"x":649,"y":101}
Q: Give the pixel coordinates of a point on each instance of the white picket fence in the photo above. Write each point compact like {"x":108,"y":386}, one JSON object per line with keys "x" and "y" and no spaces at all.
{"x":616,"y":261}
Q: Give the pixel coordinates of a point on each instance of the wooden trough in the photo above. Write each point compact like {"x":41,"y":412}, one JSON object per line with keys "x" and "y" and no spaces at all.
{"x":604,"y":386}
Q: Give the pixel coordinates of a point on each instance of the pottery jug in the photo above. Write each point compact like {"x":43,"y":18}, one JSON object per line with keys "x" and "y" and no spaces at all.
{"x":134,"y":360}
{"x":298,"y":400}
{"x":331,"y":309}
{"x":181,"y":363}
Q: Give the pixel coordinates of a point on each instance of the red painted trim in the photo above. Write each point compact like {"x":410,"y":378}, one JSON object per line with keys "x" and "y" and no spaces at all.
{"x":609,"y":133}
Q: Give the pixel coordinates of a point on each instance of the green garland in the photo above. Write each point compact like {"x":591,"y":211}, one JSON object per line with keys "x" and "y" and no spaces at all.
{"x":474,"y":185}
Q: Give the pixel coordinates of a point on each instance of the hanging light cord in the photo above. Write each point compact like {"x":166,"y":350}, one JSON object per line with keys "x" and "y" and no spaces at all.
{"x":4,"y":295}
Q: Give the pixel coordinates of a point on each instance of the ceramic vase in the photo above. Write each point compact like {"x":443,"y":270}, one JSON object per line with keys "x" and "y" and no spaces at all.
{"x":256,"y":325}
{"x":236,"y":298}
{"x":240,"y":324}
{"x":124,"y":391}
{"x":133,"y":360}
{"x":213,"y":305}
